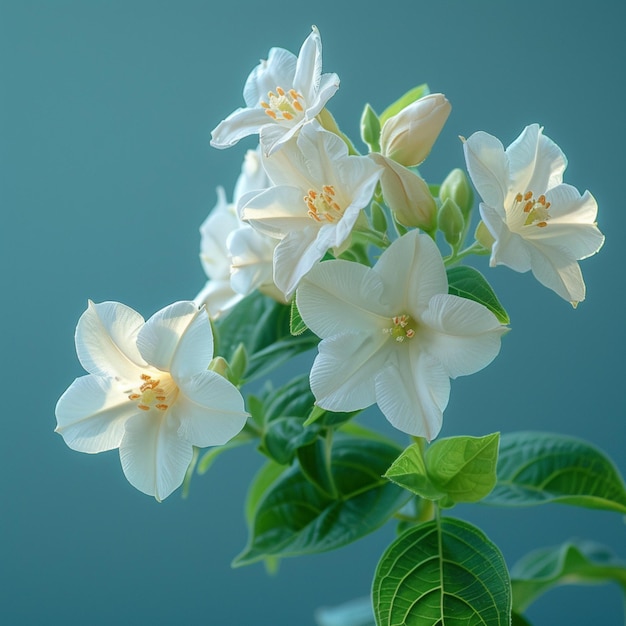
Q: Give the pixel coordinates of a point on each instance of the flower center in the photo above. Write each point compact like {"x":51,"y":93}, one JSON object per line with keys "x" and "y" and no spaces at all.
{"x":535,"y":209}
{"x":322,"y":204}
{"x":159,"y":393}
{"x":283,"y":105}
{"x":402,"y":328}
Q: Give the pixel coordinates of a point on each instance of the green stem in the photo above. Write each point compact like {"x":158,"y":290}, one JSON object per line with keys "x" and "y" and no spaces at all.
{"x":455,"y":257}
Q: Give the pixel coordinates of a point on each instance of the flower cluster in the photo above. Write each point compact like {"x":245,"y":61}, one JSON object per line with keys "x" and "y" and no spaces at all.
{"x":308,"y":216}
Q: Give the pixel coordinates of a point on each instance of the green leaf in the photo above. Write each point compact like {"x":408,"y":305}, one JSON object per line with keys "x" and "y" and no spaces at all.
{"x":296,"y":323}
{"x":284,"y":436}
{"x":401,"y":103}
{"x":262,"y":326}
{"x":294,"y":517}
{"x":464,"y":468}
{"x":571,"y":563}
{"x":264,"y":361}
{"x":469,"y":283}
{"x":409,"y":471}
{"x":535,"y":468}
{"x":316,"y":464}
{"x":442,"y":572}
{"x":457,"y":469}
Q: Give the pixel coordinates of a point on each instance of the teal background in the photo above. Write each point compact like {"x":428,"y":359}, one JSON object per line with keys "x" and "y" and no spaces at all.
{"x":105,"y":176}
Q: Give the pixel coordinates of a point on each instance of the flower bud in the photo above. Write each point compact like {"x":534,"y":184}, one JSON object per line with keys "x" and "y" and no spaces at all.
{"x":407,"y":195}
{"x":456,"y":187}
{"x":370,"y":128}
{"x":483,"y":236}
{"x":451,"y":222}
{"x":408,"y":136}
{"x":219,"y":365}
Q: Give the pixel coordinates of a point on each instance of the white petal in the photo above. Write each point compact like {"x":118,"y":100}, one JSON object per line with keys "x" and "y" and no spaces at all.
{"x":412,"y":270}
{"x":252,"y":177}
{"x":210,"y":410}
{"x":295,"y":255}
{"x":218,"y":296}
{"x":554,"y":270}
{"x":195,"y":347}
{"x":569,"y":207}
{"x":342,"y":376}
{"x":221,"y":221}
{"x":252,"y":259}
{"x":239,"y":124}
{"x":322,"y":150}
{"x":462,"y":335}
{"x":161,"y":334}
{"x":277,"y":211}
{"x":275,"y":136}
{"x":536,"y":162}
{"x":154,"y":457}
{"x":509,"y":248}
{"x":328,"y":85}
{"x":277,"y":71}
{"x":91,"y":414}
{"x":412,"y":391}
{"x":488,"y":167}
{"x":106,"y":337}
{"x":309,"y":66}
{"x":339,"y":296}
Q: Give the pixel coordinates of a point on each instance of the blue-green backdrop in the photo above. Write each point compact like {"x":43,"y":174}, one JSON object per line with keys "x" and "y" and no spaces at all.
{"x":106,"y":174}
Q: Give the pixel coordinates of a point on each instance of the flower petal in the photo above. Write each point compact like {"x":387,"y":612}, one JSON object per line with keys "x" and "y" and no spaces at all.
{"x":464,"y":336}
{"x":508,"y":248}
{"x":277,"y":211}
{"x":195,"y":348}
{"x":154,"y":458}
{"x":240,"y":123}
{"x":556,"y":271}
{"x":487,"y":165}
{"x":296,"y":254}
{"x":412,"y":270}
{"x":412,"y":391}
{"x":218,"y":296}
{"x":159,"y":338}
{"x":309,"y":66}
{"x":91,"y":414}
{"x":339,"y":296}
{"x":343,"y":373}
{"x":210,"y":410}
{"x":106,"y":337}
{"x":277,"y":71}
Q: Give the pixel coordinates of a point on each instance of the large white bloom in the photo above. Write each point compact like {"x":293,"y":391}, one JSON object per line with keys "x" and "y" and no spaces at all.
{"x":538,"y":222}
{"x":148,"y":392}
{"x":392,"y":334}
{"x":282,"y":93}
{"x":318,"y":193}
{"x":236,"y":259}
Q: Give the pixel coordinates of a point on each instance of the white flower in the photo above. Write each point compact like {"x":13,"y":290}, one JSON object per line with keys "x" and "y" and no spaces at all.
{"x":318,"y":194}
{"x":282,"y":93}
{"x":538,"y":223}
{"x":235,"y":260}
{"x":148,"y":392}
{"x":218,"y":295}
{"x":392,"y":334}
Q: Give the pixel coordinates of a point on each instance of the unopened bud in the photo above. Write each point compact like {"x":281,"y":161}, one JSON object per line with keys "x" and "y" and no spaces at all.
{"x":370,"y":128}
{"x":379,"y":220}
{"x":451,"y":222}
{"x":483,"y":236}
{"x":408,"y":136}
{"x":407,"y":195}
{"x":219,"y":365}
{"x":457,"y":187}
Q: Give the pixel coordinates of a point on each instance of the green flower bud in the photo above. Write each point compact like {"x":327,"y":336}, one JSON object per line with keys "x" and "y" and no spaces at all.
{"x":407,"y":195}
{"x":483,"y":236}
{"x":370,"y":128}
{"x":451,"y":222}
{"x":456,"y":187}
{"x":238,"y":364}
{"x":220,"y":366}
{"x":379,"y":219}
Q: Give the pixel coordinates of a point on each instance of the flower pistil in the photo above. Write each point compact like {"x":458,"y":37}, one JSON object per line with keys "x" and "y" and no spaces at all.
{"x":283,"y":105}
{"x":536,"y":210}
{"x":402,"y":328}
{"x":159,"y":393}
{"x":322,"y":205}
